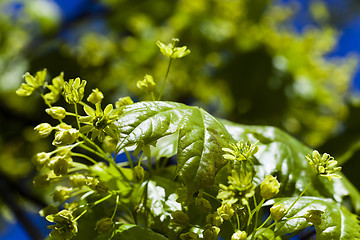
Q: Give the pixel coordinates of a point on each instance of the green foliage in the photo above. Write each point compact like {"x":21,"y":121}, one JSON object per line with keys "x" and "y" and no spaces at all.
{"x":226,"y":171}
{"x":203,"y":145}
{"x":201,"y":137}
{"x":336,"y":221}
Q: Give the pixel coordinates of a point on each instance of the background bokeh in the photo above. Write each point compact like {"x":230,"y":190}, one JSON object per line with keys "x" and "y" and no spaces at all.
{"x":290,"y":64}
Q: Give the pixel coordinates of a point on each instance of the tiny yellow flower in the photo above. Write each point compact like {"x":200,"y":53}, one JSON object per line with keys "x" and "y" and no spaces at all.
{"x":171,"y":51}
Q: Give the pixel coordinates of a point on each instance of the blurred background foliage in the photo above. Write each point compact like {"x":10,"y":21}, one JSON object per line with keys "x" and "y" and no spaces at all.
{"x":248,"y":64}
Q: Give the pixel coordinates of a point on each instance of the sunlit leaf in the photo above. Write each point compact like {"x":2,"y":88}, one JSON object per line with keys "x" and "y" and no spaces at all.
{"x":200,"y":137}
{"x":336,"y":221}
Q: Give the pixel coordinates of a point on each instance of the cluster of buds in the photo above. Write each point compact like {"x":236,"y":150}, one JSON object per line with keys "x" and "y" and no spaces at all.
{"x":239,"y":235}
{"x":324,"y":165}
{"x":99,"y":122}
{"x":239,"y":190}
{"x":32,"y":83}
{"x":240,"y":151}
{"x":171,"y":51}
{"x":65,"y":226}
{"x":147,"y":84}
{"x":79,"y":180}
{"x":74,"y":90}
{"x":59,"y":163}
{"x":55,"y":90}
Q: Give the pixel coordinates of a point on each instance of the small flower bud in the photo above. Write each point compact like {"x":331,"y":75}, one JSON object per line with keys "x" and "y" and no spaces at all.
{"x":71,"y":206}
{"x":211,"y":232}
{"x":203,"y":204}
{"x":95,"y":96}
{"x":189,"y":236}
{"x":104,"y":225}
{"x":179,"y":218}
{"x":278,"y":211}
{"x":314,"y":216}
{"x":58,"y":113}
{"x":97,"y":185}
{"x":65,"y":137}
{"x":239,"y":235}
{"x":214,"y":219}
{"x":269,"y":187}
{"x":123,"y":102}
{"x":41,"y":159}
{"x":51,"y":209}
{"x":77,"y":180}
{"x":61,"y":194}
{"x":43,"y":129}
{"x":61,"y":166}
{"x":41,"y":181}
{"x":138,"y":173}
{"x":225,"y":211}
{"x":109,"y":144}
{"x":147,"y":84}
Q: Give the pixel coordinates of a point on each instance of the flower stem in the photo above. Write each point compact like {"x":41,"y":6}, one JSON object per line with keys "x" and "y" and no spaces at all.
{"x":297,"y":199}
{"x":77,"y":115}
{"x":166,"y":76}
{"x":116,"y":204}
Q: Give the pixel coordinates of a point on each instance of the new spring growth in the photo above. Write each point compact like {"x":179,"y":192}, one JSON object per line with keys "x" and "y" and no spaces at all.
{"x":41,"y":159}
{"x":104,"y":225}
{"x":43,"y":129}
{"x":324,"y":165}
{"x":58,"y":113}
{"x":147,"y":84}
{"x":171,"y":51}
{"x":97,"y":121}
{"x":65,"y":135}
{"x":95,"y":96}
{"x":55,"y":89}
{"x":239,"y":235}
{"x":214,"y":219}
{"x":61,"y":194}
{"x":240,"y":151}
{"x":269,"y":187}
{"x":139,"y":173}
{"x":65,"y":227}
{"x":278,"y":211}
{"x":32,"y":83}
{"x":74,"y":90}
{"x":211,"y":232}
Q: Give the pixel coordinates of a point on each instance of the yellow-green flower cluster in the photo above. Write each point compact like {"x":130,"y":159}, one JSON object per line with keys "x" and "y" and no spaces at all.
{"x":65,"y":227}
{"x":74,"y":90}
{"x":240,"y":151}
{"x":171,"y":51}
{"x":147,"y":84}
{"x":32,"y":83}
{"x":239,"y":190}
{"x":324,"y":165}
{"x":55,"y":90}
{"x":99,"y":122}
